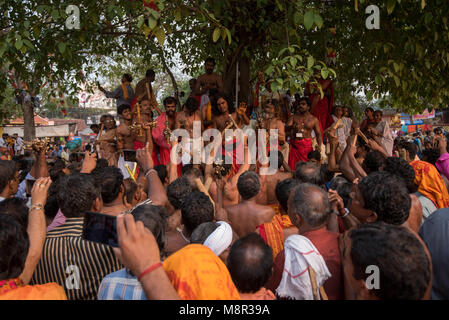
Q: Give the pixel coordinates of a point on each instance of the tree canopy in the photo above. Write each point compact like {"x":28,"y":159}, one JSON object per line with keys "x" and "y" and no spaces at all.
{"x":403,"y":62}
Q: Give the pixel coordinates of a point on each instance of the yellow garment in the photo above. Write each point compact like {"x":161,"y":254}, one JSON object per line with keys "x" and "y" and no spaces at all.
{"x":125,"y":90}
{"x":430,"y":184}
{"x":48,"y":291}
{"x":198,"y":274}
{"x":209,"y":112}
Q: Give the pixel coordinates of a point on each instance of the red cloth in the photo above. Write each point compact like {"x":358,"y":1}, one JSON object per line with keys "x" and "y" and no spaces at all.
{"x":323,"y":108}
{"x":138,"y":145}
{"x":299,"y":149}
{"x":236,"y":160}
{"x":327,"y":244}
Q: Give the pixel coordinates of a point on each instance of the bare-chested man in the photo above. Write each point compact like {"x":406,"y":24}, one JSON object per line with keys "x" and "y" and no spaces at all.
{"x":124,"y":134}
{"x":299,"y":128}
{"x":108,"y":141}
{"x":246,"y":216}
{"x":273,"y":179}
{"x":271,"y":121}
{"x":223,"y":110}
{"x":165,"y":124}
{"x":146,"y":116}
{"x":209,"y":80}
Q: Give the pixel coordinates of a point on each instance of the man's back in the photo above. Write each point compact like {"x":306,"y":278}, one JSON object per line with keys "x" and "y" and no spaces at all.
{"x":76,"y":264}
{"x":247,"y":216}
{"x":272,"y":181}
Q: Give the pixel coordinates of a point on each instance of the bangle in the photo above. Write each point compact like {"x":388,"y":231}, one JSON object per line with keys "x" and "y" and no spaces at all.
{"x":344,"y":214}
{"x":36,"y":207}
{"x":149,"y":171}
{"x":149,"y":269}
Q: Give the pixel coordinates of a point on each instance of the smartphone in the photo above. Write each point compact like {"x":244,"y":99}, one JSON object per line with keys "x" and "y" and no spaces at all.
{"x":129,"y":155}
{"x":100,"y":228}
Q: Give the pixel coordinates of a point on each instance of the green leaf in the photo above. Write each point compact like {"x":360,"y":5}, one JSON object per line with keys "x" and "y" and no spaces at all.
{"x":428,"y":18}
{"x":309,"y":18}
{"x":397,"y":81}
{"x":423,"y":4}
{"x":152,"y":22}
{"x":28,"y":43}
{"x":427,"y":62}
{"x":318,"y":20}
{"x":396,"y":67}
{"x":280,"y":81}
{"x":61,"y":47}
{"x":297,"y":18}
{"x":293,"y":61}
{"x":140,"y":22}
{"x":229,"y":36}
{"x":216,"y":34}
{"x":177,"y":14}
{"x":390,"y":6}
{"x":160,"y":35}
{"x":310,"y":62}
{"x":146,"y":31}
{"x":55,"y":14}
{"x":19,"y":44}
{"x":378,"y":80}
{"x":26,"y":24}
{"x":324,"y":73}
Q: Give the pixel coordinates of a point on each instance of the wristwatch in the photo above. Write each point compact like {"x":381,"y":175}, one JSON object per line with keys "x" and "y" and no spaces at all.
{"x":343,"y":213}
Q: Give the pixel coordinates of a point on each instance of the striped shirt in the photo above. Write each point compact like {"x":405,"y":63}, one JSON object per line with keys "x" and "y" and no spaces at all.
{"x":76,"y":264}
{"x":121,"y":285}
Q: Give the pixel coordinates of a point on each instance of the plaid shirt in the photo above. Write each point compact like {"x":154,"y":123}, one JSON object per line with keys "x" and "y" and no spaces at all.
{"x":121,"y":285}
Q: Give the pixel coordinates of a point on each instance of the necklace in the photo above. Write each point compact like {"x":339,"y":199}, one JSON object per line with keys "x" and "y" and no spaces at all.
{"x":182,"y":234}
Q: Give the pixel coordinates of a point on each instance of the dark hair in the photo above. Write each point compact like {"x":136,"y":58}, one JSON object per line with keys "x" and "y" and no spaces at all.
{"x":411,"y":148}
{"x":196,"y":208}
{"x":308,"y":172}
{"x":51,"y":206}
{"x":8,"y":170}
{"x":122,"y":108}
{"x":283,"y":189}
{"x":374,"y":161}
{"x":77,"y":193}
{"x":204,"y":230}
{"x":215,"y":110}
{"x":161,"y":172}
{"x":306,"y":99}
{"x":153,"y":217}
{"x":387,"y":196}
{"x":169,"y":100}
{"x":312,"y":210}
{"x":430,"y":155}
{"x":128,"y":77}
{"x":437,"y":129}
{"x":88,"y":147}
{"x":177,"y":190}
{"x":191,"y":104}
{"x":250,"y":263}
{"x":210,"y":59}
{"x":110,"y":179}
{"x":248,"y":185}
{"x":150,"y":73}
{"x":101,"y":163}
{"x":403,"y":170}
{"x":314,"y":154}
{"x":343,"y":188}
{"x":56,"y":170}
{"x":92,"y":126}
{"x":280,"y":157}
{"x":369,"y":109}
{"x":16,"y":208}
{"x":400,"y":257}
{"x":189,"y":170}
{"x":14,"y":245}
{"x":130,"y":189}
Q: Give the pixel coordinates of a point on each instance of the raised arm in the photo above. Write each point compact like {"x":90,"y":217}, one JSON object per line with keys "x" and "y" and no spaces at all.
{"x":156,"y":191}
{"x":36,"y":227}
{"x":319,"y":137}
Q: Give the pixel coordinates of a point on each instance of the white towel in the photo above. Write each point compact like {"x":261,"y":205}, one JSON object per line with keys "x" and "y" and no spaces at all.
{"x":219,"y":240}
{"x":300,"y":253}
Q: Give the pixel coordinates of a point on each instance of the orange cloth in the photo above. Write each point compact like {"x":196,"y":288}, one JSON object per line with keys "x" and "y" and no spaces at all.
{"x":198,"y":274}
{"x":272,"y":232}
{"x":262,"y":294}
{"x":125,"y":90}
{"x":430,"y":183}
{"x":209,"y":112}
{"x":48,"y":291}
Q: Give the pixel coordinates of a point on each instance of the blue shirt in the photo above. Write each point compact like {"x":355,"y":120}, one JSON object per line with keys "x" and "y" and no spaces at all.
{"x":121,"y":285}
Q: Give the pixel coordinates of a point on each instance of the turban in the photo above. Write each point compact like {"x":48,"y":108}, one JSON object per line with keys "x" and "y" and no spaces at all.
{"x":219,"y":240}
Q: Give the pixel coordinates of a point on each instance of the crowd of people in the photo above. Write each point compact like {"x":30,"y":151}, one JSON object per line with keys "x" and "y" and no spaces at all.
{"x":350,"y":212}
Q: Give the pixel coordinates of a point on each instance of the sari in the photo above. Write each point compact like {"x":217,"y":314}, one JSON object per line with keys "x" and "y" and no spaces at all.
{"x":13,"y":289}
{"x":197,"y":273}
{"x":430,"y":184}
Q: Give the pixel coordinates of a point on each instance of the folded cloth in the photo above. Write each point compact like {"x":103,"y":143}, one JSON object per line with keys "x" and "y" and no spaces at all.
{"x":219,"y":240}
{"x":299,"y":149}
{"x":300,"y":254}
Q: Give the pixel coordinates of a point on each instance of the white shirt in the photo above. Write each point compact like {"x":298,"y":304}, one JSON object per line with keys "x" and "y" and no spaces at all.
{"x":3,"y":143}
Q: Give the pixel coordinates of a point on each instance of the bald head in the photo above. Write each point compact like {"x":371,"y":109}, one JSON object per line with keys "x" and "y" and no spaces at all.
{"x":311,"y":203}
{"x":307,"y":172}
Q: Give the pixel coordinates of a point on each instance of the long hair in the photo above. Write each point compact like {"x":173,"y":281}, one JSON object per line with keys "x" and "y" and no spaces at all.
{"x":215,"y":110}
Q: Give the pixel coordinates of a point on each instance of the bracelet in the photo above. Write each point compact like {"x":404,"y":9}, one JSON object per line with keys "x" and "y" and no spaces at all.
{"x":36,"y":207}
{"x":149,"y":171}
{"x":345,"y":214}
{"x":149,"y":269}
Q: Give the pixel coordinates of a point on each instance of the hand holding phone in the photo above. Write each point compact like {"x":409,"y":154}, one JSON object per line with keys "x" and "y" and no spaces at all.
{"x":101,"y":228}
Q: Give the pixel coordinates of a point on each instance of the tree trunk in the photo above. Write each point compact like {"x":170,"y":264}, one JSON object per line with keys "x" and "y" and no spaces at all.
{"x":244,"y":85}
{"x":29,"y":131}
{"x":170,"y":74}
